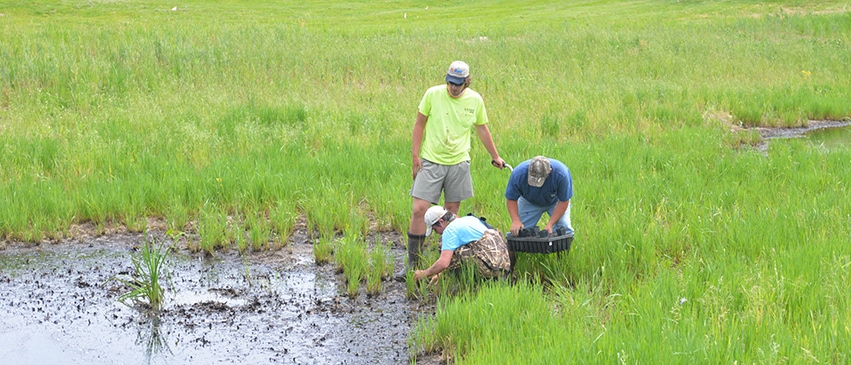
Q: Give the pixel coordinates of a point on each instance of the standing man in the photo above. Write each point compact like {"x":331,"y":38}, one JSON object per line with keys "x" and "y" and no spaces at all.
{"x":441,"y":151}
{"x":465,"y":239}
{"x":536,"y":186}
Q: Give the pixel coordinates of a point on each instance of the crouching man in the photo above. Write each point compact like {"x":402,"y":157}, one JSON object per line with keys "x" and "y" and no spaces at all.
{"x":465,"y":239}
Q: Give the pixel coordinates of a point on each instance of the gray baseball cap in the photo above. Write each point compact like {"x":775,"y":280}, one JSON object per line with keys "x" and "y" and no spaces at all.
{"x":539,"y":169}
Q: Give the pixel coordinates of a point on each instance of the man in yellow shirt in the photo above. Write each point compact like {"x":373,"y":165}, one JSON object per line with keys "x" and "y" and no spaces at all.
{"x":446,"y":117}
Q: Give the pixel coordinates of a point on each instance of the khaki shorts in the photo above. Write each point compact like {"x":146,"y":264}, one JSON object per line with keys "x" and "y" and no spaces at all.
{"x":453,"y":180}
{"x":489,"y":254}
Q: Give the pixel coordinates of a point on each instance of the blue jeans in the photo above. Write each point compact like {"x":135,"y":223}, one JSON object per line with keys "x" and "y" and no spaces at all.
{"x":530,"y":214}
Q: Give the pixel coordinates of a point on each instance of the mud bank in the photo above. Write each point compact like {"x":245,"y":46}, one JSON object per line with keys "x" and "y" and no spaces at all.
{"x":59,"y":306}
{"x":798,"y":132}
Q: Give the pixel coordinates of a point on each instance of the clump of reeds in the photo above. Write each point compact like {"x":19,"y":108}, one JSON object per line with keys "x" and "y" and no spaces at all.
{"x":379,"y":267}
{"x":323,"y":249}
{"x":148,"y":270}
{"x":351,"y":257}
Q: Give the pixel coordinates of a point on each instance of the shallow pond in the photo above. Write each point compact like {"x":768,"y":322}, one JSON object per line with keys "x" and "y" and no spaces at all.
{"x":826,"y":133}
{"x":59,"y":306}
{"x":831,"y":137}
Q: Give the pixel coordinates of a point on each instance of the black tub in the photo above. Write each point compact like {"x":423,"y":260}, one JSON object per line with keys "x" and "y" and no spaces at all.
{"x":535,"y":240}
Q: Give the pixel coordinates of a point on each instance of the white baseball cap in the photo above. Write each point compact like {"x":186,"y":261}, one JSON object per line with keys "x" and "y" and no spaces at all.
{"x":432,"y":215}
{"x":458,"y":72}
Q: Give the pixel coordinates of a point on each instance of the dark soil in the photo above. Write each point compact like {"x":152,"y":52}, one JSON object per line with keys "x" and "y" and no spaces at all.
{"x":59,"y":306}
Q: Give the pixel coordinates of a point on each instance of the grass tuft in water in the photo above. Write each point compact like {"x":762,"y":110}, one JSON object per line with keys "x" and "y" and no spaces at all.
{"x":380,"y":266}
{"x":323,"y":249}
{"x":148,"y":268}
{"x":352,"y":259}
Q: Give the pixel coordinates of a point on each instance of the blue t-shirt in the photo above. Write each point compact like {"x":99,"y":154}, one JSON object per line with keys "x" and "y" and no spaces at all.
{"x":461,"y":231}
{"x":557,"y":187}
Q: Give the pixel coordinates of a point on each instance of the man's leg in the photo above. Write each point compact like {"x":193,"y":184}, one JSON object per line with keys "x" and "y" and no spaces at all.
{"x":457,"y":187}
{"x":529,"y":213}
{"x":416,"y":237}
{"x":564,"y":221}
{"x":417,"y":225}
{"x":452,"y":207}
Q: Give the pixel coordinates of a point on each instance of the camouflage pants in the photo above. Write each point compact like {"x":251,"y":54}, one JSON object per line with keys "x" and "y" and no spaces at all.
{"x":489,"y":254}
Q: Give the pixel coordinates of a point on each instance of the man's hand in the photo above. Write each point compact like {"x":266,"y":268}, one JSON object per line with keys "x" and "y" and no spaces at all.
{"x":417,"y":166}
{"x":419,"y":274}
{"x":434,"y":279}
{"x":516,"y":227}
{"x":498,"y":163}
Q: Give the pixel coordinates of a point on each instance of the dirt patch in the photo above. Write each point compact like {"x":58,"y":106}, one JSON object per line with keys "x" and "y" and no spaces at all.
{"x":769,"y":133}
{"x":59,"y":306}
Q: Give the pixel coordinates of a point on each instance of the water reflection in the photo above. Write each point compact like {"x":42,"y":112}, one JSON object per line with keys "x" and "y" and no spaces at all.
{"x":152,"y":339}
{"x":58,"y":306}
{"x":831,"y":138}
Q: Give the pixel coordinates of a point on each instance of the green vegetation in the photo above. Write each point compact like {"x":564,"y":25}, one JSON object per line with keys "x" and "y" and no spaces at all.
{"x":380,"y":267}
{"x":148,"y":270}
{"x":359,"y":261}
{"x":351,"y":258}
{"x":323,"y":250}
{"x":231,"y":120}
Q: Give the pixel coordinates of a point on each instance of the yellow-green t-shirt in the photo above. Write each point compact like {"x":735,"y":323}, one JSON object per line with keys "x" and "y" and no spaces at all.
{"x":446,"y":138}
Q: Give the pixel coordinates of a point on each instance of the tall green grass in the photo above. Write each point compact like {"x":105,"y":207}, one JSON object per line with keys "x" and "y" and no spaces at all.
{"x":359,"y":261}
{"x":232,"y":121}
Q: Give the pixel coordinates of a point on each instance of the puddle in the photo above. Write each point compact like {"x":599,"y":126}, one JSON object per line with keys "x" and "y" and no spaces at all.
{"x":831,"y":138}
{"x":59,"y":306}
{"x":827,"y":133}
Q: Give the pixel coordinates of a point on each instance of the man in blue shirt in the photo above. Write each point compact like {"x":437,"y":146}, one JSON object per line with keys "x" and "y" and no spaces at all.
{"x":465,"y":239}
{"x":536,"y":186}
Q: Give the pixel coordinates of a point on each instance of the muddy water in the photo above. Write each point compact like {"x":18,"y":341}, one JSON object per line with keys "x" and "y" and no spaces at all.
{"x":827,"y":133}
{"x":831,"y":137}
{"x":59,"y":306}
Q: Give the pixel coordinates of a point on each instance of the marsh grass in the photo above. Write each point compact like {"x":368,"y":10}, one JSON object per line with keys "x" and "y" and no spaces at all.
{"x":352,"y":259}
{"x":177,"y":217}
{"x":259,"y":232}
{"x":282,"y":218}
{"x":359,"y":261}
{"x":232,"y":111}
{"x":380,"y":267}
{"x":414,"y":289}
{"x":235,"y":234}
{"x":149,"y":269}
{"x":323,"y":250}
{"x":212,"y":228}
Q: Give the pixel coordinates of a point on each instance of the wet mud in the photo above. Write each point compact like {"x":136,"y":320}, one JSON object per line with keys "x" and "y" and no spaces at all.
{"x":796,"y":132}
{"x":58,"y":305}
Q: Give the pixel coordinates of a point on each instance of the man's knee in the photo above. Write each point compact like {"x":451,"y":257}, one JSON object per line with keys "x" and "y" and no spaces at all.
{"x":452,"y":207}
{"x":420,"y":207}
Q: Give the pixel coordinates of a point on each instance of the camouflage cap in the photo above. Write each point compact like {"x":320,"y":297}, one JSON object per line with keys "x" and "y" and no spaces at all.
{"x":539,"y":169}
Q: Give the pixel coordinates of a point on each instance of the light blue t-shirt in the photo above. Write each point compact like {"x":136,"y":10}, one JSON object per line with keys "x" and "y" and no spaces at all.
{"x":462,"y":231}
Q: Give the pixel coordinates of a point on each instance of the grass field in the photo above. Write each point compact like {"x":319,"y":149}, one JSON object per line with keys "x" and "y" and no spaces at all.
{"x":232,"y":119}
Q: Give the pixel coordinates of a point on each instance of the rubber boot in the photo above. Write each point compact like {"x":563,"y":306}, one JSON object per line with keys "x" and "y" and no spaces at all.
{"x":415,"y":247}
